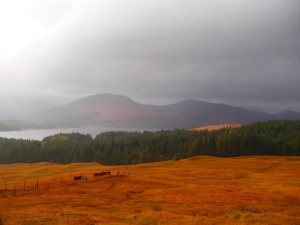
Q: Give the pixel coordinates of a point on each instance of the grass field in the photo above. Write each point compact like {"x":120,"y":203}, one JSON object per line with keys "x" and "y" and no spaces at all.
{"x":216,"y":127}
{"x":199,"y":190}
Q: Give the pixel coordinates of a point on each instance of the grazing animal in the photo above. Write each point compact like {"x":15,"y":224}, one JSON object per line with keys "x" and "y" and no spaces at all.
{"x":78,"y":178}
{"x":102,"y":173}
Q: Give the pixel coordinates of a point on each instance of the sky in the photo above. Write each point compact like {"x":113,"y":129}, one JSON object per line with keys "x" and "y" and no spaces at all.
{"x":239,"y":52}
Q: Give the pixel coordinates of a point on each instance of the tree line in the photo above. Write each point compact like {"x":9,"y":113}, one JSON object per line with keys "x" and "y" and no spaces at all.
{"x":117,"y":148}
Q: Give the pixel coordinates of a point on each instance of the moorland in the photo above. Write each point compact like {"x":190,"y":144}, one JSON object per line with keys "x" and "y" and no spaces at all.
{"x":244,"y":175}
{"x":197,"y":190}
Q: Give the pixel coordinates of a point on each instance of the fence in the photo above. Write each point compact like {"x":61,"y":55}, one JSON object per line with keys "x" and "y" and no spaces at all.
{"x":178,"y":180}
{"x":21,"y":188}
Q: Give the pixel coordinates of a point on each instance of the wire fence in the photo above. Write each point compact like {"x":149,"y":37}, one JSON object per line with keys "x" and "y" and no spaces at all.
{"x":26,"y":186}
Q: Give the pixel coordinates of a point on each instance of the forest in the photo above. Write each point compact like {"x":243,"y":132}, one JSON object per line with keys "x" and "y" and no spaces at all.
{"x":123,"y":148}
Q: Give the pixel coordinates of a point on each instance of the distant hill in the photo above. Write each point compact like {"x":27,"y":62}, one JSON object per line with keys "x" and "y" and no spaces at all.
{"x":287,"y":114}
{"x":216,"y":127}
{"x":111,"y":110}
{"x":121,"y":111}
{"x":211,"y":113}
{"x":13,"y":125}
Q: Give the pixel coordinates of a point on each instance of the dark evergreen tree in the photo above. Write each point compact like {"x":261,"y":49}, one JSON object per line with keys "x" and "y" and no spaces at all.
{"x":112,"y":148}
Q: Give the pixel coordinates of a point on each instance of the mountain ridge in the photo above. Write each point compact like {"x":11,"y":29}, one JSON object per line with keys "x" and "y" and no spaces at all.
{"x":121,"y":111}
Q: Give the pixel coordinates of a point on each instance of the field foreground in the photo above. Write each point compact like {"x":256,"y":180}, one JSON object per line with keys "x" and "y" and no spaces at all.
{"x":199,"y":190}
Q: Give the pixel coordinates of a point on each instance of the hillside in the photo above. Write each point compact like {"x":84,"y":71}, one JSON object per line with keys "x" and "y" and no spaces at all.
{"x":216,"y":127}
{"x":111,"y":110}
{"x":13,"y":125}
{"x":199,"y":190}
{"x":212,"y":113}
{"x":120,"y":111}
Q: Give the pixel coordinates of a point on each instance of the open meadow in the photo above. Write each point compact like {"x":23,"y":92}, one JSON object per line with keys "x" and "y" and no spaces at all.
{"x":198,"y":190}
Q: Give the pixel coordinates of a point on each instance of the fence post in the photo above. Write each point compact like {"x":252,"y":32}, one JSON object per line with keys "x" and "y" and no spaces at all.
{"x":5,"y":189}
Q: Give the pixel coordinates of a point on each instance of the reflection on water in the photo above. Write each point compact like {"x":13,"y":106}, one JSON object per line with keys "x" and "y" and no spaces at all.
{"x":40,"y":134}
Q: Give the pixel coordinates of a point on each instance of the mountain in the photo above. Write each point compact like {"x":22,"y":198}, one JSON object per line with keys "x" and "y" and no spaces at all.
{"x":287,"y":114}
{"x":110,"y":110}
{"x":211,"y":113}
{"x":121,"y":111}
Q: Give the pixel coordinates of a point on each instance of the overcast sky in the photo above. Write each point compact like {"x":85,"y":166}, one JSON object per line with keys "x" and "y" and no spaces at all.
{"x":239,"y":52}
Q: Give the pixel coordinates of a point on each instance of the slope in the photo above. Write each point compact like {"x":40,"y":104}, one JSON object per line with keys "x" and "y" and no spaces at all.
{"x":120,"y":111}
{"x":111,"y":110}
{"x":199,"y":190}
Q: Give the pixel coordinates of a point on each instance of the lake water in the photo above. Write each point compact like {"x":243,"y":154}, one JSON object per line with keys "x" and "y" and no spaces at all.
{"x":40,"y":134}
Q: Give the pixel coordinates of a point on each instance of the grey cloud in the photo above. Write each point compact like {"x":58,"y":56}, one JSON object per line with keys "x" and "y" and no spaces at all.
{"x":237,"y":51}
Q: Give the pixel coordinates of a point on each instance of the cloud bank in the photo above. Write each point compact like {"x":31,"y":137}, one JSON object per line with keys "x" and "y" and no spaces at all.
{"x":239,"y":52}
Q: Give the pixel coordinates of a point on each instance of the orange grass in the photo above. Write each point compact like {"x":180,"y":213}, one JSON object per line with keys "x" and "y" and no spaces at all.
{"x":241,"y":190}
{"x":216,"y":127}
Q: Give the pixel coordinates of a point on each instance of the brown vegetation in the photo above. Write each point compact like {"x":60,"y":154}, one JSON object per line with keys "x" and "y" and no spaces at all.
{"x":242,"y":190}
{"x":216,"y":127}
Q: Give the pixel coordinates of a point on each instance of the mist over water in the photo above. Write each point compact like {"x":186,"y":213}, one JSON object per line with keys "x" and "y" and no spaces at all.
{"x":42,"y":133}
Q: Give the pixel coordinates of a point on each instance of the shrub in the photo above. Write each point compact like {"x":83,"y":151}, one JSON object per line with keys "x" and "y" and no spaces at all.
{"x":237,"y":216}
{"x":157,"y":208}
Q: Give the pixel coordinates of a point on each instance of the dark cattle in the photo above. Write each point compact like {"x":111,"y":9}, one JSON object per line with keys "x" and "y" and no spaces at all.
{"x":78,"y":178}
{"x":102,"y":173}
{"x":106,"y":172}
